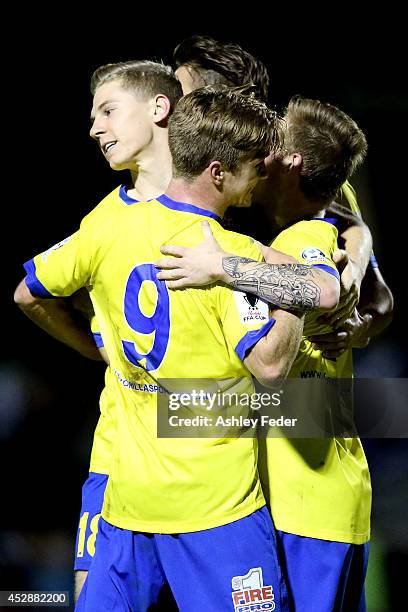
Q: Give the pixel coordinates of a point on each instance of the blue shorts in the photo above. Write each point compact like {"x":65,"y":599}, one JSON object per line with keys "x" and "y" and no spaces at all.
{"x":233,"y":567}
{"x":93,"y":491}
{"x":323,"y":576}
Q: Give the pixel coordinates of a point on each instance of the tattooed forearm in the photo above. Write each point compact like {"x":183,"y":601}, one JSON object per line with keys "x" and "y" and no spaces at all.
{"x":288,"y":286}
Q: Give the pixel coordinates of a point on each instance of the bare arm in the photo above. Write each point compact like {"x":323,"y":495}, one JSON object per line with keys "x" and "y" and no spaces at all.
{"x":375,"y":311}
{"x":376,"y":300}
{"x":286,"y":285}
{"x":355,"y":238}
{"x":292,"y":286}
{"x":59,"y":319}
{"x":374,"y":297}
{"x":272,"y":357}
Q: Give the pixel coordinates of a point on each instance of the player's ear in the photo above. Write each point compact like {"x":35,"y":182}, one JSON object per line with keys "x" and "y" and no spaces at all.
{"x":297,"y":160}
{"x":161,"y":107}
{"x":293,"y":162}
{"x":216,"y":173}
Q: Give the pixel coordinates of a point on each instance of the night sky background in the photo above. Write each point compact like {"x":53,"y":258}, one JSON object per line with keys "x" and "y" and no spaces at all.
{"x":54,"y":174}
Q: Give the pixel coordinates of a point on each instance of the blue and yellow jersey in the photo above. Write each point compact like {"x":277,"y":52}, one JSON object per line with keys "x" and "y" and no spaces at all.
{"x":318,"y":488}
{"x":160,"y":484}
{"x":105,"y":430}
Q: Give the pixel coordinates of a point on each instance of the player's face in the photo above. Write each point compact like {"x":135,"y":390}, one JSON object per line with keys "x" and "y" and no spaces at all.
{"x":121,"y":124}
{"x":268,"y":190}
{"x":241,"y":185}
{"x":274,"y":165}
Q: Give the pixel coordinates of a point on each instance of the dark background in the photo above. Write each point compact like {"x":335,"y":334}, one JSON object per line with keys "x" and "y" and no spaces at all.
{"x":54,"y":175}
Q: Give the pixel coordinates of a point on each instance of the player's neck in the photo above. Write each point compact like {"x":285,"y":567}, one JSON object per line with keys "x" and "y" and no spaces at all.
{"x":153,"y":174}
{"x":198,"y":194}
{"x":293,"y":207}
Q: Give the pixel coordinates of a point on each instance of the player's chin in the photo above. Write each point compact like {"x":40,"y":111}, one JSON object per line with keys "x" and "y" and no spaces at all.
{"x":116,"y":165}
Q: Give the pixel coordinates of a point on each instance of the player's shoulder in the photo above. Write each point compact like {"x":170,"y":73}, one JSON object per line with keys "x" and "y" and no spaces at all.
{"x":315,"y":226}
{"x":239,"y":244}
{"x":309,"y":240}
{"x":114,"y":201}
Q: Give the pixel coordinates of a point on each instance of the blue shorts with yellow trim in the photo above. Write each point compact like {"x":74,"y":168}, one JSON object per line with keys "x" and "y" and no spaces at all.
{"x":322,"y":575}
{"x":93,"y":491}
{"x":233,"y":567}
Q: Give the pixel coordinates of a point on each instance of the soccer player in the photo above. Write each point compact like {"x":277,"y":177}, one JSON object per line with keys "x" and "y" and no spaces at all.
{"x":131,"y":137}
{"x":202,"y":60}
{"x":319,"y":490}
{"x":204,"y":490}
{"x":127,"y":143}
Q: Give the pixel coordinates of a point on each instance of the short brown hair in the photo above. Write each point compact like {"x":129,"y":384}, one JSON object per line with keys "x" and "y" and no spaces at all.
{"x":330,"y":142}
{"x":217,"y":63}
{"x":212,"y":124}
{"x":143,"y":76}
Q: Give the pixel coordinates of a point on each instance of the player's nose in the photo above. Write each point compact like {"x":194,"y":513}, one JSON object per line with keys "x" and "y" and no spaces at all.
{"x":97,"y":129}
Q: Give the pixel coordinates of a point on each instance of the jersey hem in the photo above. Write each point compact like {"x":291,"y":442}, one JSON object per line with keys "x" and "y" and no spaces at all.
{"x":150,"y":527}
{"x":331,"y":536}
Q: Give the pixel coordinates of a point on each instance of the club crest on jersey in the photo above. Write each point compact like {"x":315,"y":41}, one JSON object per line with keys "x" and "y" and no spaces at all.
{"x":55,"y":247}
{"x":313,"y":254}
{"x":250,"y":594}
{"x":251,"y":309}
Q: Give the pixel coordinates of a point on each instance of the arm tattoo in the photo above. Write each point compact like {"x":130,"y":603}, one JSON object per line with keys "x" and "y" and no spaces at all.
{"x":289,"y":286}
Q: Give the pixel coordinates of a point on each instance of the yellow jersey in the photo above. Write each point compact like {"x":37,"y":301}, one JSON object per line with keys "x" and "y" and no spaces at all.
{"x":150,"y":333}
{"x":318,"y":488}
{"x":105,"y":430}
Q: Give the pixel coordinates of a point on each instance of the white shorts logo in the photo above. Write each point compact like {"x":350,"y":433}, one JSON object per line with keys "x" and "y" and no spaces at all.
{"x":249,"y":593}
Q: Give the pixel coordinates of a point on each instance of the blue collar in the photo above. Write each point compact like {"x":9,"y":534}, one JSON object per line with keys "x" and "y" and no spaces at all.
{"x":331,"y":220}
{"x":183,"y":207}
{"x":124,"y":196}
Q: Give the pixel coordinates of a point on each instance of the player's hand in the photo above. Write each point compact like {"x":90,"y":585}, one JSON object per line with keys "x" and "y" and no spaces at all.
{"x":350,"y":279}
{"x":354,"y":333}
{"x":192,"y":266}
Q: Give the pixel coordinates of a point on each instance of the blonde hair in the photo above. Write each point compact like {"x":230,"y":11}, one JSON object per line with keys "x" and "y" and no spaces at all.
{"x":330,"y":142}
{"x":221,"y":124}
{"x":141,"y":76}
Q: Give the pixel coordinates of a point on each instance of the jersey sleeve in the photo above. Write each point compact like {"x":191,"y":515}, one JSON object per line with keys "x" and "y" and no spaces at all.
{"x":245,"y":317}
{"x":60,"y":270}
{"x":310,"y":242}
{"x":96,"y":332}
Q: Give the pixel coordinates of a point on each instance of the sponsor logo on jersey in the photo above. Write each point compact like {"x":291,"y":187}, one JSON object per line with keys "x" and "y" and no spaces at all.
{"x":250,"y":594}
{"x":55,"y":248}
{"x":251,"y":308}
